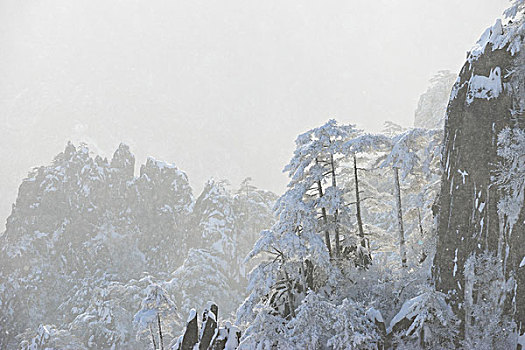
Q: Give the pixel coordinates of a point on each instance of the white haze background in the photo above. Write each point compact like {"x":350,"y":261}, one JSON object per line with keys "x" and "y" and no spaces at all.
{"x":220,"y":88}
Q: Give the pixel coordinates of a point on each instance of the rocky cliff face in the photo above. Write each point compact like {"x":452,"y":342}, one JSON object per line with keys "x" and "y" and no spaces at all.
{"x":479,"y":209}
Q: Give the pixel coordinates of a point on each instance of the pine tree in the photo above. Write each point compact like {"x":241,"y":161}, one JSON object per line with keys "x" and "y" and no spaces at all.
{"x":516,"y":7}
{"x":486,"y":326}
{"x":362,"y":144}
{"x":424,"y":322}
{"x":404,"y":156}
{"x":314,"y":171}
{"x":156,"y":309}
{"x":297,"y":262}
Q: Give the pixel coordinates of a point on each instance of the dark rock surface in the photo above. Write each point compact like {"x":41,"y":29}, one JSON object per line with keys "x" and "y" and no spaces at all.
{"x":483,"y":102}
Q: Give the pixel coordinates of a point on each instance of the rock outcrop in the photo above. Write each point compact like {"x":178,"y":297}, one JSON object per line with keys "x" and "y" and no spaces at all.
{"x":478,"y":211}
{"x":211,"y":336}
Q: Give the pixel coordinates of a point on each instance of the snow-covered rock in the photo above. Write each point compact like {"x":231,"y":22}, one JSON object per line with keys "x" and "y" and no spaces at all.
{"x":481,"y":199}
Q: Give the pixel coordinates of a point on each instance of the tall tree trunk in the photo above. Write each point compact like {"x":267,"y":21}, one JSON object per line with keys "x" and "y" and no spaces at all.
{"x":325,"y":218}
{"x":152,"y":337}
{"x":397,"y":190}
{"x":160,"y":333}
{"x":358,"y":206}
{"x":363,"y":255}
{"x":420,"y":223}
{"x":336,"y":213}
{"x":309,"y":274}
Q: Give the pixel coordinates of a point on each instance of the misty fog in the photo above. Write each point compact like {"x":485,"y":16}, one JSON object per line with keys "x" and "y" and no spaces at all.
{"x":218,"y":88}
{"x":246,"y":175}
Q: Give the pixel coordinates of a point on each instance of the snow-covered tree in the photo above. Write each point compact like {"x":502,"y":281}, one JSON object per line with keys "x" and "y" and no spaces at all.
{"x":322,"y":324}
{"x":511,"y":147}
{"x":297,"y":262}
{"x":516,"y":7}
{"x":214,"y":220}
{"x":224,"y":228}
{"x":266,"y":331}
{"x":391,"y":129}
{"x":103,"y":313}
{"x":296,"y":259}
{"x":157,"y":309}
{"x":424,"y":322}
{"x":486,"y":325}
{"x":48,"y":337}
{"x":202,"y":277}
{"x":404,"y":156}
{"x":253,"y":213}
{"x":314,"y":171}
{"x":360,"y":144}
{"x":511,"y":179}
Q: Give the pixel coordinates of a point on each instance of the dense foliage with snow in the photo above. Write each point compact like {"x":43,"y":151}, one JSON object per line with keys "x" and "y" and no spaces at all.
{"x":88,"y":243}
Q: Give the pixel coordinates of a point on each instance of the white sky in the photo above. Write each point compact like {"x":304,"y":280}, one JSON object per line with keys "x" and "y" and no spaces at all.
{"x":220,"y":88}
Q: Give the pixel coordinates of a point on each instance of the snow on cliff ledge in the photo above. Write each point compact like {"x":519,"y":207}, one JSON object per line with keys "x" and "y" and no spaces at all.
{"x":485,"y":87}
{"x":498,"y":37}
